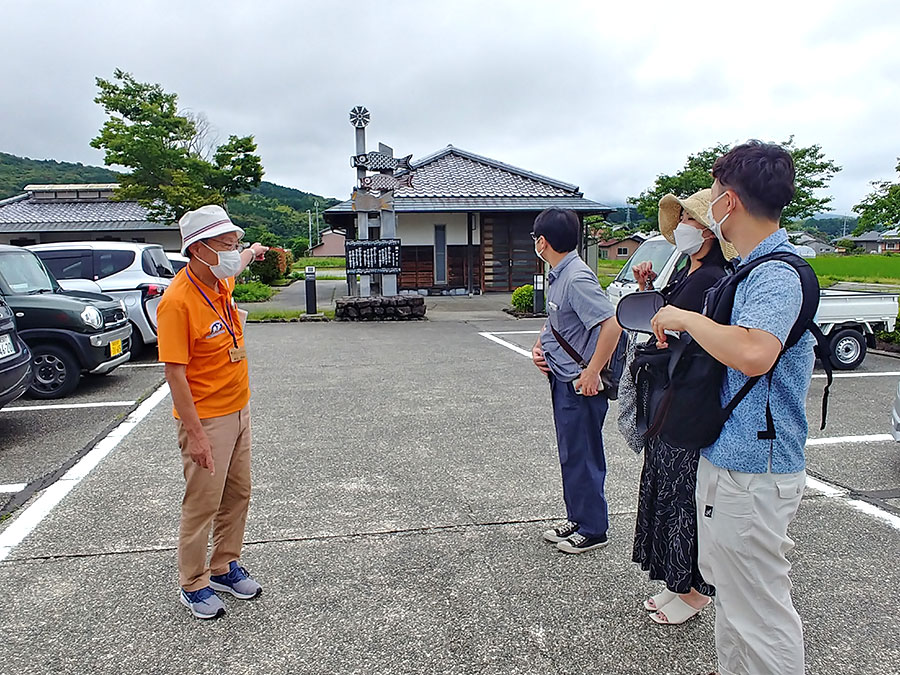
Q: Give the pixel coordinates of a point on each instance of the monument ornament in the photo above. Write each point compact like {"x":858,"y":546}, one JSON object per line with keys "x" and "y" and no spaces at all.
{"x":384,"y":182}
{"x":359,"y":117}
{"x":379,"y":161}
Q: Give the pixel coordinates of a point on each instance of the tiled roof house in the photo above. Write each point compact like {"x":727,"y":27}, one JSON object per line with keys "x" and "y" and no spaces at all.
{"x":55,"y":213}
{"x":466,"y":221}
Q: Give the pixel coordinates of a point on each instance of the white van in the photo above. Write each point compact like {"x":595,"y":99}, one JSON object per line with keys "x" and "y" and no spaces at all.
{"x":850,"y":319}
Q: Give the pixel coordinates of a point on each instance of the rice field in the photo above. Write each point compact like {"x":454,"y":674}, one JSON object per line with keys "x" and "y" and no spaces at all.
{"x":868,"y":268}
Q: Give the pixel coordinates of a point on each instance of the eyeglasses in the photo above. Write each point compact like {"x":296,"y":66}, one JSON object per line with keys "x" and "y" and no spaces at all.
{"x":533,"y":237}
{"x":239,"y":246}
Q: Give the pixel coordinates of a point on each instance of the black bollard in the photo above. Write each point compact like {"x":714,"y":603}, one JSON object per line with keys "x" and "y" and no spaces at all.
{"x":538,"y":294}
{"x":311,"y":291}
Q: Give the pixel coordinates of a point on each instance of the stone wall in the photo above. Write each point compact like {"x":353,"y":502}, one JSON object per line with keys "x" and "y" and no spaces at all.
{"x":390,"y":308}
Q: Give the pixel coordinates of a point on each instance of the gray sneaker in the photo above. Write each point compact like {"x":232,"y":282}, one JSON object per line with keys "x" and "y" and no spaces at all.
{"x":237,"y":582}
{"x":203,"y":603}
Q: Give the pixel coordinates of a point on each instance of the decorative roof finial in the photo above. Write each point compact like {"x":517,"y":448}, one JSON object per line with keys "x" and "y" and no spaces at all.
{"x":359,"y":117}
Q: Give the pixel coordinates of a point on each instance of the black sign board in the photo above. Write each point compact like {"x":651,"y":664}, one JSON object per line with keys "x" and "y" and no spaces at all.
{"x":373,"y":256}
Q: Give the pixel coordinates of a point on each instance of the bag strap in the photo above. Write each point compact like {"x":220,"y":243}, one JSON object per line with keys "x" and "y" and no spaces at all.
{"x":569,"y":349}
{"x":809,"y":284}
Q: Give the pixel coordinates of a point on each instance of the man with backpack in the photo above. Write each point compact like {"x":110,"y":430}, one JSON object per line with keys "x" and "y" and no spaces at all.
{"x":751,"y":478}
{"x":575,"y":344}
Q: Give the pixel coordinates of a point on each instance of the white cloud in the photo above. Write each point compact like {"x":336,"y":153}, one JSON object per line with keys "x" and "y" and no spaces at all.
{"x":603,"y":96}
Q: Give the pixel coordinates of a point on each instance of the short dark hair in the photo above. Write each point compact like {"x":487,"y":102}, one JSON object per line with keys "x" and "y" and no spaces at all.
{"x":762,"y":175}
{"x":559,"y":227}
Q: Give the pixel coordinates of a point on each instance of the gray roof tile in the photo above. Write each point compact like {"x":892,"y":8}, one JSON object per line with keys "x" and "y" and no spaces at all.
{"x":449,"y":204}
{"x":33,"y":211}
{"x":453,"y":179}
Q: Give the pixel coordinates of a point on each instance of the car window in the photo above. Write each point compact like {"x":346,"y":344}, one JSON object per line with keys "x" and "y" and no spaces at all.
{"x":68,"y":266}
{"x":156,"y":263}
{"x":22,"y":272}
{"x":656,"y":252}
{"x":107,"y":263}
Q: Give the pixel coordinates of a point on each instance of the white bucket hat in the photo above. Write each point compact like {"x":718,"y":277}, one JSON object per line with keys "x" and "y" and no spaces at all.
{"x":205,"y":223}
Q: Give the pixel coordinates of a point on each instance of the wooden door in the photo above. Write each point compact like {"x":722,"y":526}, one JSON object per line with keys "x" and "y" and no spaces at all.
{"x":509,"y":260}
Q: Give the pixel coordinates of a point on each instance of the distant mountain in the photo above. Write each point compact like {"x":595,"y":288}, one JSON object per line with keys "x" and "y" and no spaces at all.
{"x":281,"y":210}
{"x":17,"y":172}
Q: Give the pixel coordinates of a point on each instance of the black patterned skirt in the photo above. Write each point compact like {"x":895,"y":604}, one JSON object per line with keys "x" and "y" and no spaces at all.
{"x":665,"y":535}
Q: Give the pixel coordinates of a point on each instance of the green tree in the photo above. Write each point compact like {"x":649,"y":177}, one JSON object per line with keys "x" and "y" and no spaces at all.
{"x":813,"y":172}
{"x":881,"y":207}
{"x":169,"y":174}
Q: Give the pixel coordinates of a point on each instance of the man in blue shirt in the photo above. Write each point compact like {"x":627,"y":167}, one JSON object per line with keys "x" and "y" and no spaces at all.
{"x":749,"y":486}
{"x":584,"y":320}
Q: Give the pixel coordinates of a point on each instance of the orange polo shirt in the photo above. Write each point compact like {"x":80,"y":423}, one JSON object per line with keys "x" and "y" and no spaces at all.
{"x":193,"y":334}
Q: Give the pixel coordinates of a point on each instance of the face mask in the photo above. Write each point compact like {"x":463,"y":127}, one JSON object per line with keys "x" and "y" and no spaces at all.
{"x":538,"y":253}
{"x":716,"y":227}
{"x":229,"y":263}
{"x":688,"y":239}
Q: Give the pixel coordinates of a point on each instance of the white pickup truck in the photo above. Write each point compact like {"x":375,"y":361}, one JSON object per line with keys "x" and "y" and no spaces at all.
{"x":850,"y":319}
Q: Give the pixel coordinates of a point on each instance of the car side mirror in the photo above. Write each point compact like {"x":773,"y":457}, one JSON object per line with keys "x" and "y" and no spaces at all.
{"x":635,"y":310}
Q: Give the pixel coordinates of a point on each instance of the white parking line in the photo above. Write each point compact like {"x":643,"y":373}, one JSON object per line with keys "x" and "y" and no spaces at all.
{"x":827,"y":489}
{"x":13,"y":487}
{"x":143,"y":365}
{"x":515,"y":332}
{"x":31,"y":517}
{"x":508,"y":345}
{"x":836,"y":440}
{"x":70,"y":406}
{"x":837,"y":375}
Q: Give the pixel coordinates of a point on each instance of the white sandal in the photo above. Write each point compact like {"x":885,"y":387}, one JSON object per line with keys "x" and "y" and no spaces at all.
{"x":676,"y":612}
{"x":656,"y":602}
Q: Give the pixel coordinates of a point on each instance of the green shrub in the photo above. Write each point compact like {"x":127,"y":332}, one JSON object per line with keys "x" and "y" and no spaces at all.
{"x":523,"y":298}
{"x":254,"y":291}
{"x":272,"y":267}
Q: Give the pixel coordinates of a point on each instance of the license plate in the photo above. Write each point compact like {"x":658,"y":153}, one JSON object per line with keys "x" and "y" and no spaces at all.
{"x":7,"y":348}
{"x":115,"y":347}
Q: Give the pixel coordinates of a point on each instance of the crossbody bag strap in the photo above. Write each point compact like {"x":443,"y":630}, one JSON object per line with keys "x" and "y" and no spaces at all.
{"x":578,"y":358}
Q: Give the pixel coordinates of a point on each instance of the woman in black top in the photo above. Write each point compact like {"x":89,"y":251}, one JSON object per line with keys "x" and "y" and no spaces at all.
{"x":665,"y":538}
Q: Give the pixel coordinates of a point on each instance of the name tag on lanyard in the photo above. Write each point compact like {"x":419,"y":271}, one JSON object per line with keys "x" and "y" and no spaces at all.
{"x":237,"y":354}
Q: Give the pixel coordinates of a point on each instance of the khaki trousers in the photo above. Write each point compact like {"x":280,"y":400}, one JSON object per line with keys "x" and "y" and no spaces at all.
{"x":742,"y":521}
{"x":220,"y":501}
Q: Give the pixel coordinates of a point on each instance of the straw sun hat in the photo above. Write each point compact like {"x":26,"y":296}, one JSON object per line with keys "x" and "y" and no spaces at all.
{"x":696,"y":205}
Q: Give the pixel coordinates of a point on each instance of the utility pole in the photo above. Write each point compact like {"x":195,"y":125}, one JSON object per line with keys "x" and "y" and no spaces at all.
{"x":316,"y":202}
{"x":309,"y":230}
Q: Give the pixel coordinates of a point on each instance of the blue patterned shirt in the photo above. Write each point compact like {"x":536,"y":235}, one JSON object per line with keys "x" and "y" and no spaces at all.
{"x":576,"y":306}
{"x":768,"y":299}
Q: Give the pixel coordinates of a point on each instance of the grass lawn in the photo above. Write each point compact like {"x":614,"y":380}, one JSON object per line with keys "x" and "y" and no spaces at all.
{"x":334,"y":263}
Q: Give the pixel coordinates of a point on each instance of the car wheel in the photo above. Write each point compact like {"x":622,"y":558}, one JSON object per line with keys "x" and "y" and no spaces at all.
{"x":56,"y":372}
{"x":848,"y":349}
{"x":137,"y":343}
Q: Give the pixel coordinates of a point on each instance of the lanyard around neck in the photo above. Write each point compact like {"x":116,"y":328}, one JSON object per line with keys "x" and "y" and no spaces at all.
{"x":228,"y":324}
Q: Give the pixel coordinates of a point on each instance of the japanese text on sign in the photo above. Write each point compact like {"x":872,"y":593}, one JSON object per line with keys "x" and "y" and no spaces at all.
{"x":373,"y":256}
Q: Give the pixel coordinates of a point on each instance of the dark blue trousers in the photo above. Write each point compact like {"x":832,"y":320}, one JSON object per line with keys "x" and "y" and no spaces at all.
{"x":579,"y":435}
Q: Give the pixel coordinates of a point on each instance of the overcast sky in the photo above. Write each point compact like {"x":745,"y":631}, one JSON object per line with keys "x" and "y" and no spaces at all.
{"x":604,"y":96}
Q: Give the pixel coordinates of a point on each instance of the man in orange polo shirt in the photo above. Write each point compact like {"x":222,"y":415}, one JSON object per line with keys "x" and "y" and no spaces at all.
{"x":201,"y":342}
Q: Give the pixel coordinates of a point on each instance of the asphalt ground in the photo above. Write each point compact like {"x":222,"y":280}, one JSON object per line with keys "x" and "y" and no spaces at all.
{"x":402,"y":476}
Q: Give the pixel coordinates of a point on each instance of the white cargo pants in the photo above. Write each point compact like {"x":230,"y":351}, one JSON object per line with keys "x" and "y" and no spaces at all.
{"x":742,"y":521}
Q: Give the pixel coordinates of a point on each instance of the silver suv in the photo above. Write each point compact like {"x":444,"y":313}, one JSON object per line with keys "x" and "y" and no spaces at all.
{"x":137,"y":274}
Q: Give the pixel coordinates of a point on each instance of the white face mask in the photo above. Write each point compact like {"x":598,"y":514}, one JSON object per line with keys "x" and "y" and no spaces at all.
{"x":688,"y":239}
{"x":538,"y":253}
{"x":715,"y":226}
{"x":229,"y":263}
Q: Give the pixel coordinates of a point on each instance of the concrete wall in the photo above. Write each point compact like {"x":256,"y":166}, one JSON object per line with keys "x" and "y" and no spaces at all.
{"x":170,"y":238}
{"x":417,"y":229}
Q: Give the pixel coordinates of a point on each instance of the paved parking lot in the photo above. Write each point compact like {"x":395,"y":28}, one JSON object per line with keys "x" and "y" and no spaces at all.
{"x":402,"y":476}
